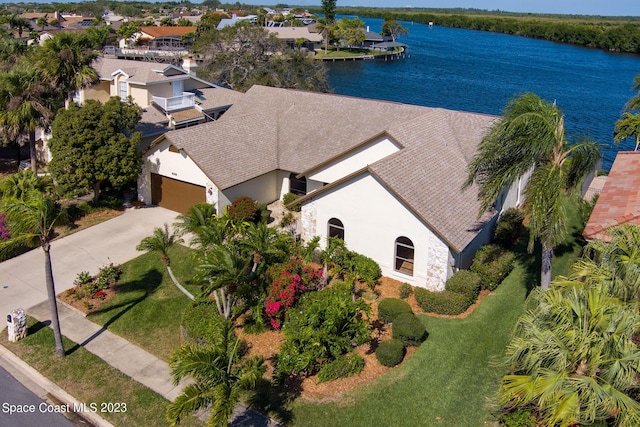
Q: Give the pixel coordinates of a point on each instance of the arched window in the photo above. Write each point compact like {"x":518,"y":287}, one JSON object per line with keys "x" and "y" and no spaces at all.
{"x":336,"y":229}
{"x":404,"y":255}
{"x":297,"y":185}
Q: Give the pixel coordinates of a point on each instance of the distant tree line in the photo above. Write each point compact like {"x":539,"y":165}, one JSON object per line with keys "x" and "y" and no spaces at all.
{"x":613,"y":34}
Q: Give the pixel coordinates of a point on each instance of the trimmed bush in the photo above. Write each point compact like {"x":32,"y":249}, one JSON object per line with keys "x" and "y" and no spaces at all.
{"x":242,"y":209}
{"x":445,"y":302}
{"x":390,"y":308}
{"x":290,"y":197}
{"x":509,"y":228}
{"x":465,"y":282}
{"x":405,"y":290}
{"x":390,"y":353}
{"x":518,"y":418}
{"x":492,"y":263}
{"x":343,"y":367}
{"x":409,"y":329}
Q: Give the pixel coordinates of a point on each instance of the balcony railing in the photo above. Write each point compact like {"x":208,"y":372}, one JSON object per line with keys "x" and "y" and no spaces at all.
{"x":186,"y":100}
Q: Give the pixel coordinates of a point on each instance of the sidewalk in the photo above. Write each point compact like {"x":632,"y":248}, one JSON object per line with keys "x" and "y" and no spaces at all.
{"x":133,"y":361}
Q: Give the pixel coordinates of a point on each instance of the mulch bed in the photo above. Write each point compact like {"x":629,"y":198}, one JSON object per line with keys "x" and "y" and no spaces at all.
{"x":87,"y":305}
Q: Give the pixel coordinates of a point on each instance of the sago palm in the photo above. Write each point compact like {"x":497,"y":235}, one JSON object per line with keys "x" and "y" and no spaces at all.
{"x":220,"y":376}
{"x":161,"y":241}
{"x":573,"y":357}
{"x":530,"y":139}
{"x":31,"y":221}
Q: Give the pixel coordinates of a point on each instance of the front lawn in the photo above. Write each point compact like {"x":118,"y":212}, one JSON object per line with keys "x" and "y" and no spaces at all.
{"x":90,"y":379}
{"x":148,"y":307}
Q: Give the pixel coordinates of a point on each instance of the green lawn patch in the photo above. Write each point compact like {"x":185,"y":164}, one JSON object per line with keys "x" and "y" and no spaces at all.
{"x":90,"y":379}
{"x":148,"y":307}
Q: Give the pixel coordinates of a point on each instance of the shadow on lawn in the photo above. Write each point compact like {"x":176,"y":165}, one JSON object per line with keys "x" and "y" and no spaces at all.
{"x":149,"y":283}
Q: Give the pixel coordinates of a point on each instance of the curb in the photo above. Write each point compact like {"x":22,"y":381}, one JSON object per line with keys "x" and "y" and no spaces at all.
{"x":45,"y":388}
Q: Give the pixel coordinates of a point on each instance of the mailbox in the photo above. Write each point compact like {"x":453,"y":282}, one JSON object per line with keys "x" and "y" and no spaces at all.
{"x":17,"y":325}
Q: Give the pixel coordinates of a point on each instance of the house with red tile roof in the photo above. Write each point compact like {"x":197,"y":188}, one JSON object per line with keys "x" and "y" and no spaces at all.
{"x":619,"y":200}
{"x":385,"y":177}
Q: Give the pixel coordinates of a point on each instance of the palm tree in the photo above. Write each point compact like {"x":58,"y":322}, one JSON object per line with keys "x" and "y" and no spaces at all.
{"x":21,"y":183}
{"x":628,"y":125}
{"x":202,"y":222}
{"x":161,"y":241}
{"x":31,"y":219}
{"x":573,"y":357}
{"x":530,"y":138}
{"x":223,"y":269}
{"x":220,"y":375}
{"x":27,"y":102}
{"x":265,"y":244}
{"x":634,"y":103}
{"x":16,"y":22}
{"x":66,"y":62}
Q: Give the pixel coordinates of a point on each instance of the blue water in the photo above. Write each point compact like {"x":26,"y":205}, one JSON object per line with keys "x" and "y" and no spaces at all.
{"x":481,"y":71}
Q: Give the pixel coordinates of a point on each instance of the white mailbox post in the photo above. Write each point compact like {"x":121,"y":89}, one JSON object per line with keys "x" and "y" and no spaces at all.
{"x":17,"y":325}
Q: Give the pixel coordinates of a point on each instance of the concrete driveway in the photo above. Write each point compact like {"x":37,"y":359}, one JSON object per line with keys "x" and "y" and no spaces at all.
{"x":22,"y":282}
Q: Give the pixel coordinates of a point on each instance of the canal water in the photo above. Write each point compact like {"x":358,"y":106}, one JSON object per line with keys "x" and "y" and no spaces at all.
{"x":481,"y":71}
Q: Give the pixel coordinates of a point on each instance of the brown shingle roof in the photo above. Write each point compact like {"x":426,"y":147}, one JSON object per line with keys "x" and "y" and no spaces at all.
{"x":167,"y":31}
{"x":619,"y":200}
{"x":271,"y":129}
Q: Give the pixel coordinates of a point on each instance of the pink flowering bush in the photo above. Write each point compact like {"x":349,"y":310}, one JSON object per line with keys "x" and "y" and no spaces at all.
{"x":4,"y":231}
{"x":287,"y":282}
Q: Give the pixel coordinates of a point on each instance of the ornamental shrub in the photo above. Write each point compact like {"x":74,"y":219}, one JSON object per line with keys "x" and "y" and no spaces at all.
{"x":365,"y":269}
{"x":324,"y":326}
{"x":288,"y":198}
{"x":286,"y":283}
{"x":409,"y":329}
{"x":343,"y":367}
{"x":405,"y":290}
{"x":4,"y":231}
{"x":492,"y":263}
{"x":465,"y":282}
{"x":390,"y":308}
{"x":242,"y":209}
{"x":518,"y":418}
{"x":199,"y":323}
{"x":391,"y":352}
{"x":445,"y":302}
{"x":509,"y":228}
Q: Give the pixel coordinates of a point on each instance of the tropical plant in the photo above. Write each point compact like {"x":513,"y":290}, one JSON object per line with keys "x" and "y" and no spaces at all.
{"x":220,"y":375}
{"x":223,"y":270}
{"x":574,"y":358}
{"x":21,"y":183}
{"x":161,"y":241}
{"x":530,"y":138}
{"x":32,"y":219}
{"x":264,"y":244}
{"x":27,"y":102}
{"x":628,"y":125}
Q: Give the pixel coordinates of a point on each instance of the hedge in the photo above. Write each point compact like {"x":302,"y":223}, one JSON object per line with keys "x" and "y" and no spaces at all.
{"x":445,"y":302}
{"x":409,"y":329}
{"x":390,"y":353}
{"x":390,"y":308}
{"x":493,"y":264}
{"x":342,"y":367}
{"x":465,"y":282}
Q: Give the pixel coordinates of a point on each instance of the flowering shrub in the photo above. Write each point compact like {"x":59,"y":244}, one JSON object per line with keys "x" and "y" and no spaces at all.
{"x":287,"y":282}
{"x":4,"y":231}
{"x":242,"y":209}
{"x":100,"y":295}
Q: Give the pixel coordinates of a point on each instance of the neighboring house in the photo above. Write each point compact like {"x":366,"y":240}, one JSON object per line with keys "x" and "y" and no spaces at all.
{"x":229,"y":22}
{"x":290,"y":35}
{"x":385,"y":177}
{"x":163,"y":38}
{"x":619,"y":200}
{"x":371,"y":38}
{"x":170,"y":96}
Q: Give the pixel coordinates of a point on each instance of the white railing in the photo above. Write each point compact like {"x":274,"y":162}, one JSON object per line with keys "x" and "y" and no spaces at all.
{"x":186,"y":100}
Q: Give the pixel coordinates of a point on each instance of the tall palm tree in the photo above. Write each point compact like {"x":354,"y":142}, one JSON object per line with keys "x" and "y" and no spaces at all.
{"x":573,"y":357}
{"x":264,"y":244}
{"x":27,"y":102}
{"x":223,"y":269}
{"x":31,"y":219}
{"x":220,"y":375}
{"x":66,"y":62}
{"x":628,"y":125}
{"x":161,"y":241}
{"x":530,"y":138}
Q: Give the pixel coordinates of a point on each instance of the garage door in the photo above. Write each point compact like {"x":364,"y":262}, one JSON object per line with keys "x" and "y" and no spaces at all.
{"x":176,"y":195}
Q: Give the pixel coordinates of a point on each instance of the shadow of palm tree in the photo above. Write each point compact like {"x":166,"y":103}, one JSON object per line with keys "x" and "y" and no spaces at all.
{"x":148,"y":284}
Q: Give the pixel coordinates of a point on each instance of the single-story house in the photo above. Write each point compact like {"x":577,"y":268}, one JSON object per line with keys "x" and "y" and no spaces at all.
{"x":619,"y":199}
{"x":291,"y":35}
{"x":386,"y":177}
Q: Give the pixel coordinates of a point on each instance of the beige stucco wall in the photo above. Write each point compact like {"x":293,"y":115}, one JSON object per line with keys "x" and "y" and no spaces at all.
{"x":99,"y":92}
{"x":373,"y":219}
{"x":265,"y":189}
{"x":140,"y":95}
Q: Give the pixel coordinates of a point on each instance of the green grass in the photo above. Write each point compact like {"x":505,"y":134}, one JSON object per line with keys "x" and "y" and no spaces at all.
{"x":148,"y":307}
{"x":350,"y":53}
{"x":453,"y":377}
{"x":90,"y":379}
